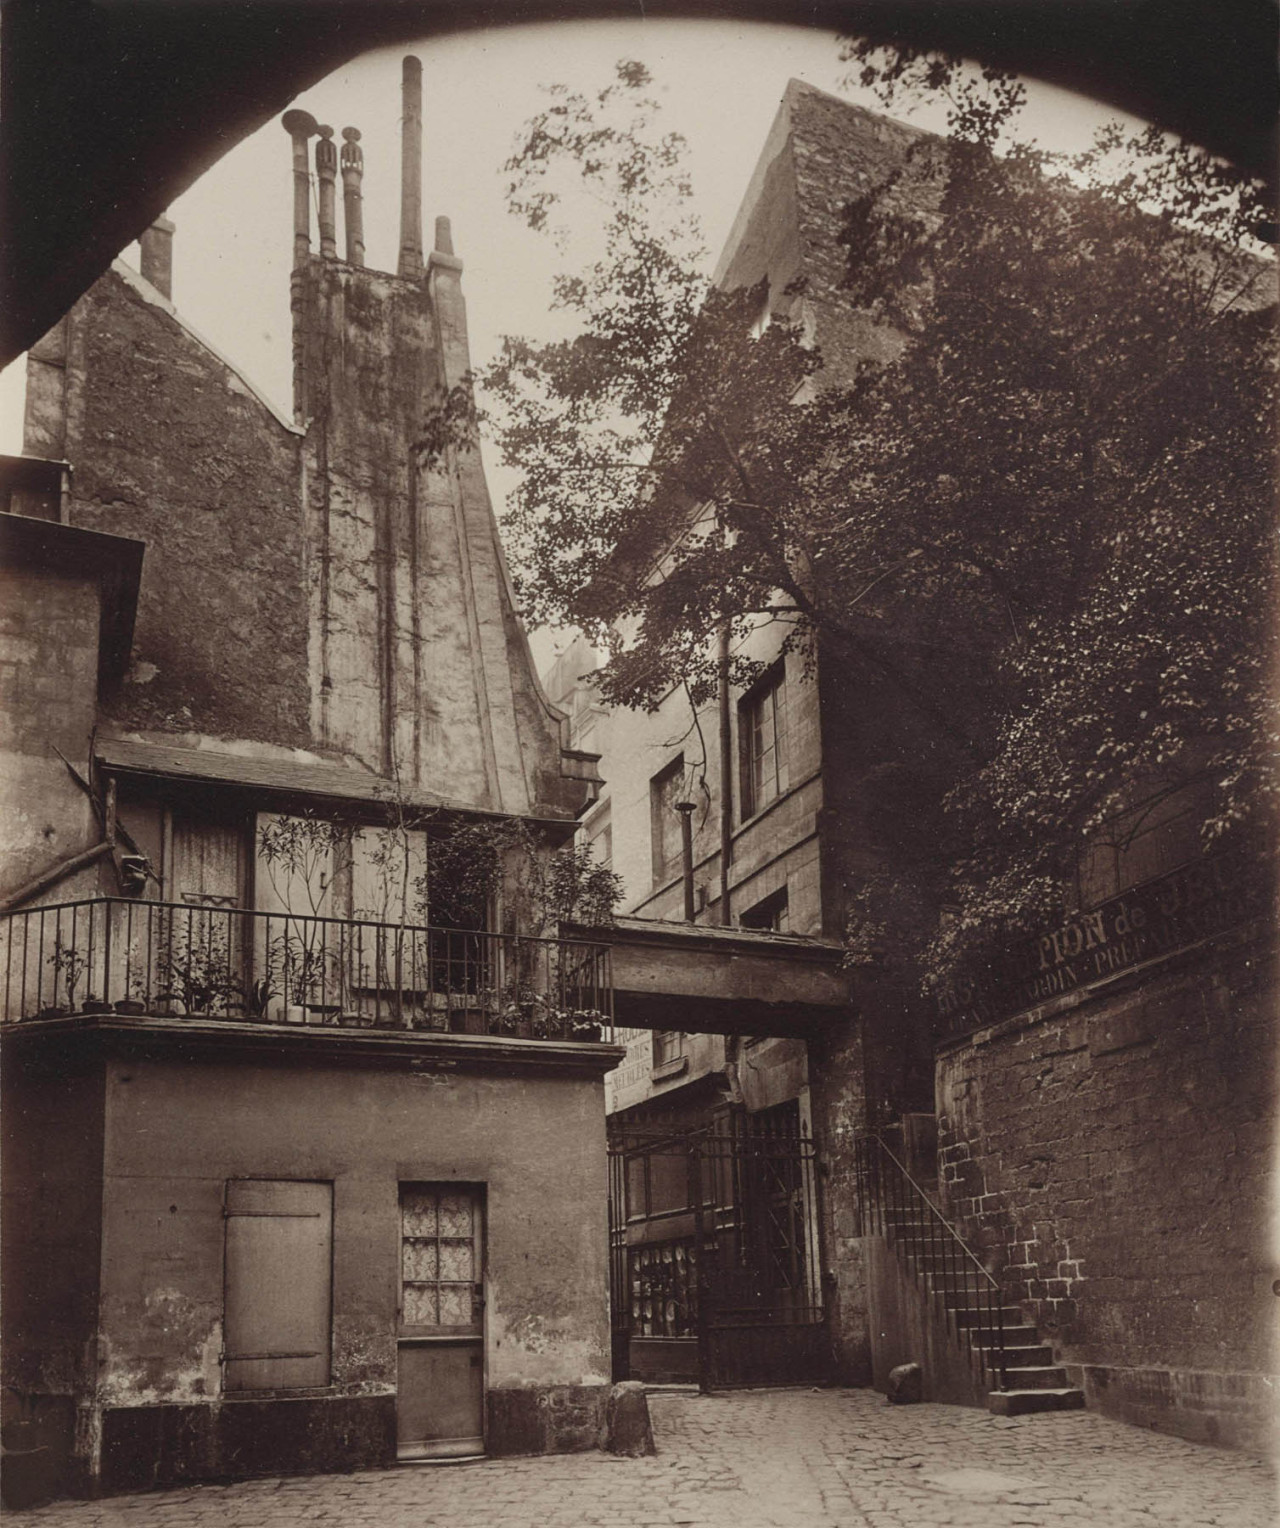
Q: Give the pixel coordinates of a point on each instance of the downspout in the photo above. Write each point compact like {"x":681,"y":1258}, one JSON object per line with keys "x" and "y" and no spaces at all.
{"x":726,"y":770}
{"x":686,"y":810}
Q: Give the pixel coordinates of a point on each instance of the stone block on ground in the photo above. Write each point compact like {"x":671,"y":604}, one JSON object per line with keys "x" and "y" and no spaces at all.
{"x":906,"y":1385}
{"x":628,"y":1429}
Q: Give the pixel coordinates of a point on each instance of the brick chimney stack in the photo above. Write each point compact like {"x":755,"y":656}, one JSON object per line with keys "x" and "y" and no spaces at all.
{"x":411,"y":171}
{"x":157,"y":256}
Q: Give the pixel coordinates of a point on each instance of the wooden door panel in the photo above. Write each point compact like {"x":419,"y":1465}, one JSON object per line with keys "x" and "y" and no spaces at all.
{"x":278,"y":1284}
{"x":441,"y":1396}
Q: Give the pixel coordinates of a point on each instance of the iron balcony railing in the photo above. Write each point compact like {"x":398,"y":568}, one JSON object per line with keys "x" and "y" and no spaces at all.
{"x":175,"y":959}
{"x":893,"y":1205}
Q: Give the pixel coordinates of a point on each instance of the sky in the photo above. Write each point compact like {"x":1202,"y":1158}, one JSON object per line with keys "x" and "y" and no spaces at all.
{"x":719,"y":83}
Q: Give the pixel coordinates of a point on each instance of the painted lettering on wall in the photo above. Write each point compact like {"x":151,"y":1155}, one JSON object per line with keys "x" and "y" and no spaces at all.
{"x":1190,"y":904}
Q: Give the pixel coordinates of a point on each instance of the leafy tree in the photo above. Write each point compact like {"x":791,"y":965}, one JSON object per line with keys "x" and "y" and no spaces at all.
{"x":1038,"y":520}
{"x":475,"y":861}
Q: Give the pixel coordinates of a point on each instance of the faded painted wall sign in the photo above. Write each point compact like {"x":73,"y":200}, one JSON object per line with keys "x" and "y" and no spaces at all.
{"x":1190,"y":904}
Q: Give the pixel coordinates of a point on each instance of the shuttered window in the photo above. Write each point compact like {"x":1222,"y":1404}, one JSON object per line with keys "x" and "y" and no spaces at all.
{"x":279,"y":1262}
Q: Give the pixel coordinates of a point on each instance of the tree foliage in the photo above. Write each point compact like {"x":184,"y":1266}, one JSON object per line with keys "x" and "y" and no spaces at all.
{"x":1044,"y":522}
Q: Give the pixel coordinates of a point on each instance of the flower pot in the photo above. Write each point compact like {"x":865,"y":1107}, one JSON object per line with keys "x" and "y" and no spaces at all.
{"x":295,"y":1014}
{"x":132,"y":1007}
{"x":95,"y":1005}
{"x":54,"y":1012}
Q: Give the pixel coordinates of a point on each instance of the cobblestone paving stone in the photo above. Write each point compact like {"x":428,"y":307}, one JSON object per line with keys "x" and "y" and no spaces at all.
{"x":764,"y":1459}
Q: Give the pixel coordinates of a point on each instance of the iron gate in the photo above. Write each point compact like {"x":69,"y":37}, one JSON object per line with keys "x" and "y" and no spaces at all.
{"x":715,"y":1264}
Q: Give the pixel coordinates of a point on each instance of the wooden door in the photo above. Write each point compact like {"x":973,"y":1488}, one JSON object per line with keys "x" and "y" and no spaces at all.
{"x":440,"y":1397}
{"x":277,"y":1284}
{"x":202,"y":962}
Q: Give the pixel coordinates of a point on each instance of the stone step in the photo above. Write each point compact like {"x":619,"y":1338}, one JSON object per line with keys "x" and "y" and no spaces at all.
{"x":1020,"y":1355}
{"x":968,"y":1315}
{"x":1018,"y":1334}
{"x":1035,"y":1376}
{"x":1020,"y":1403}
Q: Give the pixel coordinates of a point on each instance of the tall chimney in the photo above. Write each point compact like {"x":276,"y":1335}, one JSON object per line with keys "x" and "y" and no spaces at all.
{"x":327,"y":179}
{"x":411,"y":171}
{"x":300,"y":125}
{"x":157,"y":256}
{"x":352,"y":195}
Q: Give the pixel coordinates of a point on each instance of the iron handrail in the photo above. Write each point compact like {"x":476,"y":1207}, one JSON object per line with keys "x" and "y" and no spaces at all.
{"x":937,"y":1213}
{"x":223,"y":961}
{"x":941,"y":1242}
{"x":283,"y":913}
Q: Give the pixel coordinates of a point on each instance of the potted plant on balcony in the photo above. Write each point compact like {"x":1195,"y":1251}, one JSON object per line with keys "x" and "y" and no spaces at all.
{"x":304,"y":857}
{"x":133,"y":1004}
{"x":197,"y":975}
{"x":586,"y":1024}
{"x":68,"y":963}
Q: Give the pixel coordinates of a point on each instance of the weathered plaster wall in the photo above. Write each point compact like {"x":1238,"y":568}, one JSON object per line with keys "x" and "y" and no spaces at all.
{"x":48,"y":700}
{"x":909,"y":1326}
{"x":169,"y":444}
{"x":1116,"y":1156}
{"x":838,"y":1094}
{"x":52,"y":1181}
{"x":367,"y":348}
{"x":366,"y":1131}
{"x":418,"y":664}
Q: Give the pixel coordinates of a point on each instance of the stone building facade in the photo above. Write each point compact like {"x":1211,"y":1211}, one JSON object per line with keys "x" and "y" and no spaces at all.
{"x":296,"y":1154}
{"x":1102,"y":1141}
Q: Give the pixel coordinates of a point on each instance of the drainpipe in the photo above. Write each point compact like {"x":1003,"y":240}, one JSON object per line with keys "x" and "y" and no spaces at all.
{"x":726,"y":771}
{"x":686,"y":810}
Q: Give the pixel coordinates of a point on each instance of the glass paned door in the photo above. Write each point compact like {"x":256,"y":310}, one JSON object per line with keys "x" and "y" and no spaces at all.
{"x":441,"y":1345}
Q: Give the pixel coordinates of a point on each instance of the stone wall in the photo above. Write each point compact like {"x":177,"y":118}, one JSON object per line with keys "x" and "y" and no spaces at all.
{"x":1113,"y":1154}
{"x":169,"y":444}
{"x":48,"y":699}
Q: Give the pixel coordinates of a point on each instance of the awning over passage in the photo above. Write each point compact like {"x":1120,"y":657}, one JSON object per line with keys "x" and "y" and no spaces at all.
{"x":710,"y":980}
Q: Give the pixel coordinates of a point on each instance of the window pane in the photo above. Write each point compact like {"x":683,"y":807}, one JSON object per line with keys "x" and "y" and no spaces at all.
{"x":440,"y":1256}
{"x":665,"y":790}
{"x":762,"y":721}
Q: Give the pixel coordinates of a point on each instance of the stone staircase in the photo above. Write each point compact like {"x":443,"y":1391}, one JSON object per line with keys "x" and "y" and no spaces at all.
{"x":1018,"y":1369}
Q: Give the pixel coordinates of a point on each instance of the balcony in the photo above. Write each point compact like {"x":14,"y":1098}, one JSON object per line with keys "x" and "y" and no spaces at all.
{"x":178,"y":961}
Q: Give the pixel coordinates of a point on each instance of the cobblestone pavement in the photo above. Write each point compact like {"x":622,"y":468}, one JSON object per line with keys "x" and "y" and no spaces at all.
{"x":764,"y":1459}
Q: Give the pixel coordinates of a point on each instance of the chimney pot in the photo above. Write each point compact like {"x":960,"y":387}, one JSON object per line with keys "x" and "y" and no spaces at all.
{"x":352,"y":195}
{"x":300,"y":125}
{"x":157,"y":256}
{"x":444,"y":236}
{"x":327,"y":176}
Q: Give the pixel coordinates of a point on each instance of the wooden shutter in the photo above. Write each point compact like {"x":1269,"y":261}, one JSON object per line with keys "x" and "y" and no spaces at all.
{"x":278,"y":1284}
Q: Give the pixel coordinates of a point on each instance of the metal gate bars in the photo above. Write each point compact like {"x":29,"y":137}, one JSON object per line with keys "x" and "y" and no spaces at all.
{"x":715,"y":1262}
